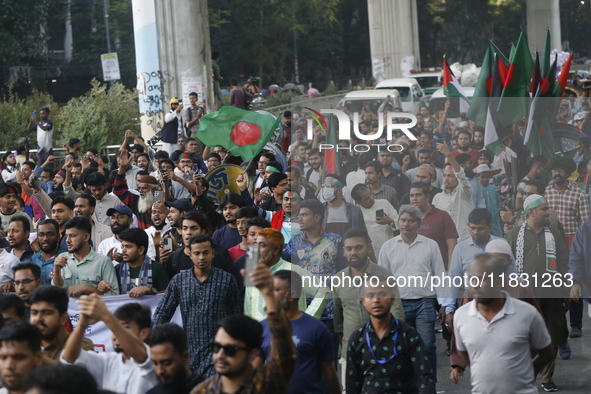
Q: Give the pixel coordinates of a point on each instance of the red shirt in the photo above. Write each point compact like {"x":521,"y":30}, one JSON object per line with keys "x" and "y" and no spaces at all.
{"x":473,"y":156}
{"x":439,"y":227}
{"x":236,"y":252}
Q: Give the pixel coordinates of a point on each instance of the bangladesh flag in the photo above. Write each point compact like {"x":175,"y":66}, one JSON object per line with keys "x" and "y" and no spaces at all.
{"x":514,"y":102}
{"x":452,"y":88}
{"x":479,"y":103}
{"x":243,"y":133}
{"x":538,"y":135}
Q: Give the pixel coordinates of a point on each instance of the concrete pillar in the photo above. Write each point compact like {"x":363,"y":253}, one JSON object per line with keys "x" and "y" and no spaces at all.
{"x":148,"y":67}
{"x":393,"y":37}
{"x":542,"y":14}
{"x":184,"y":50}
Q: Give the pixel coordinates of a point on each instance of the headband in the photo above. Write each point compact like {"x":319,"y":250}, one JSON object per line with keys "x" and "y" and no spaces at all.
{"x":273,"y":169}
{"x":534,"y":204}
{"x":334,"y":181}
{"x":290,"y":194}
{"x":60,"y":173}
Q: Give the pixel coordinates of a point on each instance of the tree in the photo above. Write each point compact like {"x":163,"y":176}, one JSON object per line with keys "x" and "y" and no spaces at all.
{"x":15,"y":113}
{"x":100,"y":117}
{"x":23,"y":27}
{"x":461,"y":28}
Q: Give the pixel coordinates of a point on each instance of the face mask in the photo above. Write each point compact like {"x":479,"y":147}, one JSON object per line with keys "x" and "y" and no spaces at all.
{"x":295,"y":116}
{"x":328,"y":194}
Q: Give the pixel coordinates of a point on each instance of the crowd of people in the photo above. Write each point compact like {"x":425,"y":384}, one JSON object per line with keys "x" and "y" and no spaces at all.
{"x":144,"y":224}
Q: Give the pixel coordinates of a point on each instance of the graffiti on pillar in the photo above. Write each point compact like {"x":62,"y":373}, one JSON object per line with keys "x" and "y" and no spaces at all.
{"x":150,"y":86}
{"x":154,"y":120}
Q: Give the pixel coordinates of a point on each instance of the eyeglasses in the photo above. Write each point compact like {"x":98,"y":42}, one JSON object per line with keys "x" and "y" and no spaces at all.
{"x":46,"y":235}
{"x":229,"y":350}
{"x":25,"y":282}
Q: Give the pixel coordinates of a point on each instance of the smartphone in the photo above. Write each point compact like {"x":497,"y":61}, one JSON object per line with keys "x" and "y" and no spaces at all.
{"x":159,"y":196}
{"x":252,"y":259}
{"x":196,"y":167}
{"x":167,"y":243}
{"x":380,"y":213}
{"x":33,"y":114}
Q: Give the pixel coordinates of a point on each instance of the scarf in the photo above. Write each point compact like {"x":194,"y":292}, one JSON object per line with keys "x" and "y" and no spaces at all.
{"x":144,"y":279}
{"x":550,"y":249}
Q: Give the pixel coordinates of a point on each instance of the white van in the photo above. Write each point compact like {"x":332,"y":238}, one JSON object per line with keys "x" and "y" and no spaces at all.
{"x":429,"y":81}
{"x":439,"y":98}
{"x":355,"y":101}
{"x":411,"y":94}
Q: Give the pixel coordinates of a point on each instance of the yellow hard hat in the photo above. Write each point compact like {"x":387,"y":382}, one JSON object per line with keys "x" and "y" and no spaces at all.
{"x":174,"y":100}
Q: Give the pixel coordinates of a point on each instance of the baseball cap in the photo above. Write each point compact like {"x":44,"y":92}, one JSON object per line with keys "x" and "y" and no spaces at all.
{"x":181,"y":205}
{"x":121,"y":208}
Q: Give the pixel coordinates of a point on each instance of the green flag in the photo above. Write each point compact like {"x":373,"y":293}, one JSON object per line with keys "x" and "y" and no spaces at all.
{"x":243,"y":133}
{"x":479,"y":104}
{"x":515,"y":99}
{"x":545,"y":62}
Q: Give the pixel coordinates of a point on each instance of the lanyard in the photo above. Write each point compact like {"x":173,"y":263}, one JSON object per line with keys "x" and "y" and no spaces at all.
{"x":394,"y":338}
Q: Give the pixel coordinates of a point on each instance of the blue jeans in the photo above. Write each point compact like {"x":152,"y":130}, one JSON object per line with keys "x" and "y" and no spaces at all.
{"x":421,"y":314}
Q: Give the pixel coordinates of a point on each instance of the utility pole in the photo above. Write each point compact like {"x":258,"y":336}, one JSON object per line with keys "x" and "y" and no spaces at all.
{"x":106,"y":11}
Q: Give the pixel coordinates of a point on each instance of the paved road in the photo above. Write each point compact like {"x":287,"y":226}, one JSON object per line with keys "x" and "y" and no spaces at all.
{"x":571,"y":376}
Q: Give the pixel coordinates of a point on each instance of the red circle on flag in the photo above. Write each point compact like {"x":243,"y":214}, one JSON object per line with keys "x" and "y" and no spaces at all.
{"x":244,"y":133}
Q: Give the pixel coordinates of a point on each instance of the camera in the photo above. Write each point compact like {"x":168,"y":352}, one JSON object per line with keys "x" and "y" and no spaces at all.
{"x":154,"y":140}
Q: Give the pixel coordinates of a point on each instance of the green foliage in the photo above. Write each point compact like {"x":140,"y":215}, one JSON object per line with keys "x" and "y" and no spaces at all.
{"x":15,"y":113}
{"x":23,"y":25}
{"x":461,"y":28}
{"x":100,"y":117}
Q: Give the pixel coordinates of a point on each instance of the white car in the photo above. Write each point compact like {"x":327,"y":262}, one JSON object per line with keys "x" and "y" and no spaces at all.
{"x":411,"y":94}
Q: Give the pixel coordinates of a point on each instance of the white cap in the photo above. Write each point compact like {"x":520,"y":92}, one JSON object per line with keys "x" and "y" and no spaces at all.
{"x":463,"y":124}
{"x":580,"y":115}
{"x":499,"y":245}
{"x":482,"y":168}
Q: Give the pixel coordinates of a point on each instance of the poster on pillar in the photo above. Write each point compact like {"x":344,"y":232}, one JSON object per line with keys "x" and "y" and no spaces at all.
{"x":110,"y":64}
{"x":190,"y":86}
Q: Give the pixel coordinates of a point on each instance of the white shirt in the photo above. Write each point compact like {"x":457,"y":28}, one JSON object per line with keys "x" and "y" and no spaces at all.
{"x":113,"y":242}
{"x":102,"y":206}
{"x":379,"y":233}
{"x":421,"y":260}
{"x":354,"y":178}
{"x":499,"y":350}
{"x":152,"y":230}
{"x":458,"y":204}
{"x":7,"y":262}
{"x":113,"y":374}
{"x":9,"y":174}
{"x":44,"y":138}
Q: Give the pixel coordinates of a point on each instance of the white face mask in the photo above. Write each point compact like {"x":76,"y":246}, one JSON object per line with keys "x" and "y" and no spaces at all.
{"x":328,"y":194}
{"x":295,"y":116}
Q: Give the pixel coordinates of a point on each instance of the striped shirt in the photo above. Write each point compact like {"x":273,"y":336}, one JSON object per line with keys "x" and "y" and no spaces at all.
{"x":202,"y":306}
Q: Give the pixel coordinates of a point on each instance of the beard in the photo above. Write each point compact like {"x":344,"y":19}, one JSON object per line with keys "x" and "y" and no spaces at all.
{"x":145,"y":202}
{"x":118,"y":349}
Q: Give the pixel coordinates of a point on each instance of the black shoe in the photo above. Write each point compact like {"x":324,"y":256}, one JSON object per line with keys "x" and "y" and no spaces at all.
{"x":550,"y":387}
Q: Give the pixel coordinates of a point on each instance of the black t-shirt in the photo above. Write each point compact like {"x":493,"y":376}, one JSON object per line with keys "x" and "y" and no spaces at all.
{"x":179,"y":261}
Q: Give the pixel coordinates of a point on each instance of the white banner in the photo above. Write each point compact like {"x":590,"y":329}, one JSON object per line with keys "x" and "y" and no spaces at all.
{"x":110,"y":67}
{"x":98,"y":333}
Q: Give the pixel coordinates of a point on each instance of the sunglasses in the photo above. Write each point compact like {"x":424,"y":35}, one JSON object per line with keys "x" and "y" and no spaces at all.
{"x":229,"y":350}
